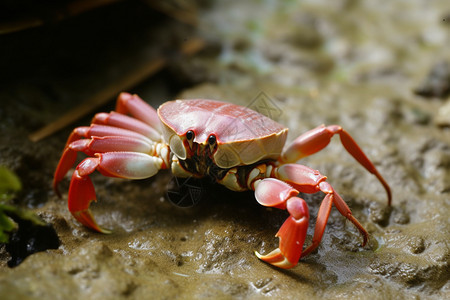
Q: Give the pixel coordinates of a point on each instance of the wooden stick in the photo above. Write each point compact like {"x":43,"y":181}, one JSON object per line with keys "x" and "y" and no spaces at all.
{"x":61,"y":12}
{"x":186,"y":16}
{"x":188,"y":48}
{"x":77,"y":7}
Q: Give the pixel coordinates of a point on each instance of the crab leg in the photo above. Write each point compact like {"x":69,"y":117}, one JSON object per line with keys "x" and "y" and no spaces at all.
{"x":280,"y":192}
{"x":102,"y":130}
{"x":123,"y":121}
{"x":138,"y":108}
{"x":131,"y":165}
{"x":318,"y":138}
{"x":272,"y":192}
{"x":308,"y":180}
{"x":131,"y":141}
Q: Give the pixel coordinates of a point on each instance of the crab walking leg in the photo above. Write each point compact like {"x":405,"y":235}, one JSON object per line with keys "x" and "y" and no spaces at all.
{"x":131,"y":165}
{"x":69,"y":156}
{"x":102,"y":130}
{"x":318,"y":138}
{"x":98,"y":145}
{"x":138,"y":108}
{"x":123,"y":121}
{"x":308,"y":180}
{"x":324,"y":212}
{"x":275,"y":193}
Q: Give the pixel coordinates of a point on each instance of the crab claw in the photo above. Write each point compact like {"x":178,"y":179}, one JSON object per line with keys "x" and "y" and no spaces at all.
{"x":82,"y":193}
{"x":131,"y":165}
{"x":274,"y":193}
{"x":292,"y":236}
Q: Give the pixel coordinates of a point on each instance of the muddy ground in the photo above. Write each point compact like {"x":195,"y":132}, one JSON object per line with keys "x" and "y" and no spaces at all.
{"x":380,"y":71}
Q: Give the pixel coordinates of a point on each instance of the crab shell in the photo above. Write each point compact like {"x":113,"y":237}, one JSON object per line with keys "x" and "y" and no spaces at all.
{"x":243,"y":136}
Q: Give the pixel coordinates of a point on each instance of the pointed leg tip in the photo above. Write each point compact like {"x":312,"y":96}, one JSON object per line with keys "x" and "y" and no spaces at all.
{"x":85,"y":217}
{"x":365,"y":240}
{"x":386,"y":187}
{"x":276,"y":258}
{"x":55,"y":185}
{"x":104,"y":231}
{"x":57,"y":192}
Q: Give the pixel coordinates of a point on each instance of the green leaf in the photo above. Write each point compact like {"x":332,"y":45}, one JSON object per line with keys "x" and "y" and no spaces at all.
{"x":25,"y":215}
{"x":10,"y":215}
{"x":6,"y":226}
{"x":9,"y":184}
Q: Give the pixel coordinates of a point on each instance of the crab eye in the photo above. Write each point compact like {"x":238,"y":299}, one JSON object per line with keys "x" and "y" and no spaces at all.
{"x":190,"y":135}
{"x":211,"y":140}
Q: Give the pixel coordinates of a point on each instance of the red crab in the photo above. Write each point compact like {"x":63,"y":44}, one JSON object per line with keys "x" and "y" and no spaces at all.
{"x":240,"y":148}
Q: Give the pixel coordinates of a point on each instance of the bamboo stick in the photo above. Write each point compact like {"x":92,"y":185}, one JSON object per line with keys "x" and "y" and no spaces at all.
{"x":188,"y":48}
{"x":64,"y":11}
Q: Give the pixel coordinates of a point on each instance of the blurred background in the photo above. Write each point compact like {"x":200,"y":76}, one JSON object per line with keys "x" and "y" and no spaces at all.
{"x":382,"y":71}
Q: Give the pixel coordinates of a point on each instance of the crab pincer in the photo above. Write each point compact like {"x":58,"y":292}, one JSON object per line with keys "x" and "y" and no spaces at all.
{"x":271,"y":192}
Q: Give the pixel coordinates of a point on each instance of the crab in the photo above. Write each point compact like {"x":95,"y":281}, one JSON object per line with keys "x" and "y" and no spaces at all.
{"x":236,"y":146}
